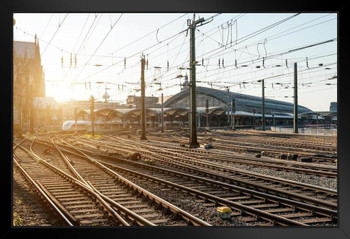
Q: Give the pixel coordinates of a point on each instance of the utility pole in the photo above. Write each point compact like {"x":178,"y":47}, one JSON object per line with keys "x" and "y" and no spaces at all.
{"x":263,"y":103}
{"x":143,"y":111}
{"x":193,"y":109}
{"x":162,"y":116}
{"x":207,"y":113}
{"x":295,"y":121}
{"x":92,"y":115}
{"x":233,"y":110}
{"x":228,"y":105}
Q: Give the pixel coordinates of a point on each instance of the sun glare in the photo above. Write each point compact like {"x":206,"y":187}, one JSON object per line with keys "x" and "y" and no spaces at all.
{"x":61,"y":94}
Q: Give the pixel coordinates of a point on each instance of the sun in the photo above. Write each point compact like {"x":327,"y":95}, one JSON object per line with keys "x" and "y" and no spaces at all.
{"x":61,"y":93}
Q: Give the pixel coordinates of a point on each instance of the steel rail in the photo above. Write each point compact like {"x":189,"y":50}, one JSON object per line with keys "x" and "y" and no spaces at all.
{"x":121,"y":209}
{"x":322,"y":210}
{"x":139,"y":219}
{"x":67,"y":218}
{"x":256,"y":149}
{"x":265,"y":215}
{"x":234,"y":204}
{"x":231,"y":156}
{"x":78,"y":183}
{"x":254,"y":185}
{"x":245,"y":160}
{"x":188,"y":217}
{"x":302,"y":205}
{"x":294,"y":183}
{"x":240,"y":171}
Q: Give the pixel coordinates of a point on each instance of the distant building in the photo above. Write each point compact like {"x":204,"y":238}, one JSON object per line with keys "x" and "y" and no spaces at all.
{"x":223,"y":98}
{"x":186,"y":84}
{"x":28,"y":80}
{"x":46,"y":112}
{"x":333,"y":107}
{"x":69,"y":106}
{"x":247,"y":110}
{"x":135,"y":101}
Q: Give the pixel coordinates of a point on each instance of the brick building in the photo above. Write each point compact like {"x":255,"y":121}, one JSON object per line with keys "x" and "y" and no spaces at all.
{"x":28,"y":82}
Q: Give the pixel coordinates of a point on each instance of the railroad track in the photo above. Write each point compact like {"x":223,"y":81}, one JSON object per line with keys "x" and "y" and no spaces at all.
{"x":323,"y":143}
{"x":26,"y":200}
{"x":215,"y":193}
{"x":231,"y":158}
{"x":72,"y":201}
{"x":288,"y":188}
{"x":132,"y":202}
{"x":238,"y":144}
{"x":227,"y":158}
{"x":249,"y":206}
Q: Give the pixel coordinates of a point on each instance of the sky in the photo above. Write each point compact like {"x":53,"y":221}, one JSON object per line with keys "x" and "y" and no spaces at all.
{"x":234,"y":51}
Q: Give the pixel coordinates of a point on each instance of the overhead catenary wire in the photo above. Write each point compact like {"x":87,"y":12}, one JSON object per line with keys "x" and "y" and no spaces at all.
{"x":43,"y":32}
{"x":284,"y":52}
{"x":177,"y":54}
{"x":87,"y":34}
{"x":247,"y":61}
{"x":59,"y":26}
{"x":270,"y":38}
{"x":251,"y":35}
{"x":100,"y":44}
{"x":148,"y":34}
{"x":144,"y":50}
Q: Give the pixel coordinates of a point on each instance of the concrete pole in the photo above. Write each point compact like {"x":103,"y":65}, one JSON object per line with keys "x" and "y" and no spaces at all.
{"x":193,"y":109}
{"x":207,"y":114}
{"x":92,"y":115}
{"x":228,"y":105}
{"x":143,"y":110}
{"x":295,"y":121}
{"x":162,"y":116}
{"x":199,"y":120}
{"x":263,"y":104}
{"x":233,"y":110}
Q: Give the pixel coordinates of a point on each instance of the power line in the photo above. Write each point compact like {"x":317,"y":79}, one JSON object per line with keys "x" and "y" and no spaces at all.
{"x":144,"y":51}
{"x":253,"y":34}
{"x":137,"y":53}
{"x":42,"y":34}
{"x":282,"y":53}
{"x":59,"y":26}
{"x":149,"y":33}
{"x":81,"y":32}
{"x":100,"y":45}
{"x":82,"y":43}
{"x":270,"y":38}
{"x":227,"y":71}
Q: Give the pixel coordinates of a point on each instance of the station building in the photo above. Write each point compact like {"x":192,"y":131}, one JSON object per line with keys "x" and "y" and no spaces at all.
{"x":246,"y":109}
{"x":217,"y":107}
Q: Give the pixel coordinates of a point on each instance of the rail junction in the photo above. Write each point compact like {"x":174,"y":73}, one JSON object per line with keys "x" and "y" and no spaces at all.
{"x":259,"y":178}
